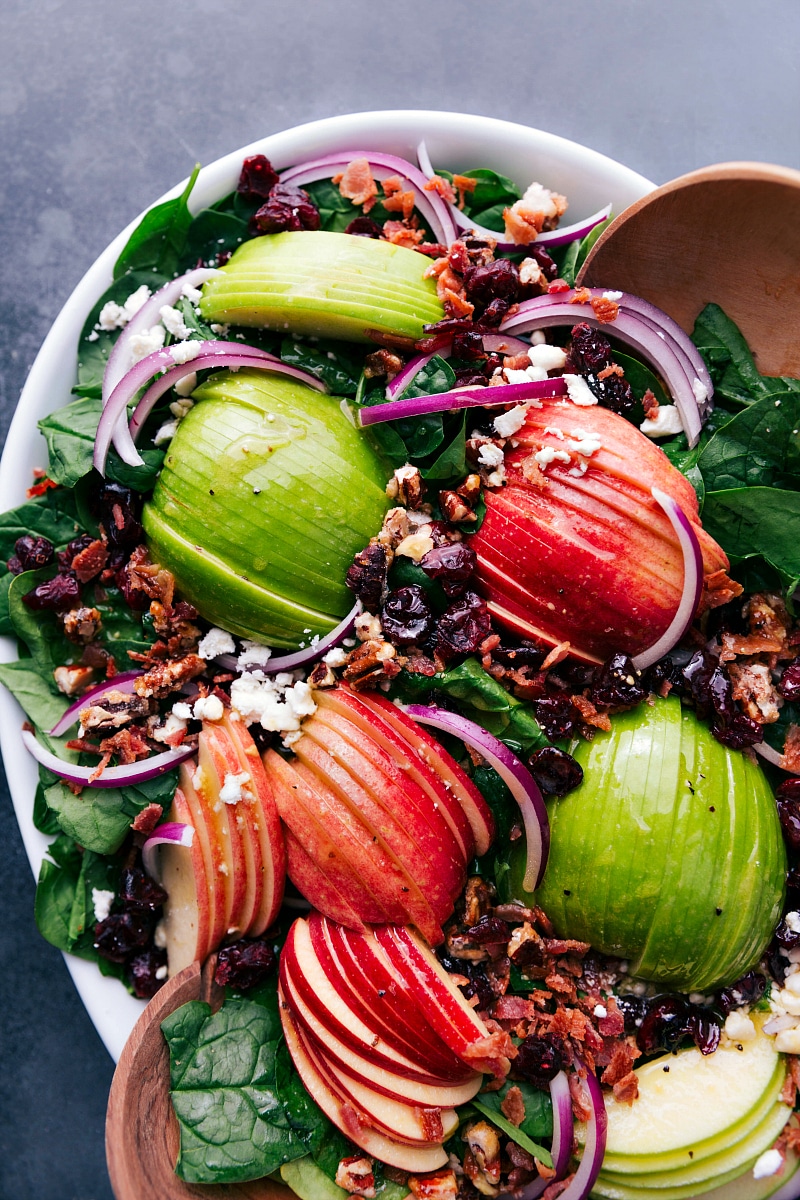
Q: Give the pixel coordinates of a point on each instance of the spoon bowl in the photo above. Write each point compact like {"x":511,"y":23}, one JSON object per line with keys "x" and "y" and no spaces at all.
{"x":727,"y":234}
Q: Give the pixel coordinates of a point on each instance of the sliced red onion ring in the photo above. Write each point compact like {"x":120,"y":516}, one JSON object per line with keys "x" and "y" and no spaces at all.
{"x":514,"y":774}
{"x":119,"y":683}
{"x":432,"y":208}
{"x":632,"y":330}
{"x":585,"y":1177}
{"x":163,"y":362}
{"x":138,"y":772}
{"x":494,"y":343}
{"x":680,"y":338}
{"x":299,"y":658}
{"x":790,"y":1189}
{"x":170,"y":834}
{"x":561,"y":1149}
{"x":770,"y":755}
{"x":551,"y":237}
{"x":469,"y":397}
{"x":692,"y":582}
{"x":147,"y":316}
{"x":424,"y":160}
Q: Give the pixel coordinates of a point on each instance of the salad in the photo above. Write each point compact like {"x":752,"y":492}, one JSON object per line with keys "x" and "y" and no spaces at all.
{"x":411,"y":629}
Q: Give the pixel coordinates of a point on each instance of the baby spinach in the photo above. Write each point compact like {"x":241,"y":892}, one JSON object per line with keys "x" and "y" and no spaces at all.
{"x":577,"y":252}
{"x":100,"y":818}
{"x":737,"y":380}
{"x":759,"y":447}
{"x":40,"y":704}
{"x":64,"y":909}
{"x":51,"y":515}
{"x":39,"y":631}
{"x":95,"y":345}
{"x":159,"y":240}
{"x":757,"y":522}
{"x":334,"y":363}
{"x":70,"y":435}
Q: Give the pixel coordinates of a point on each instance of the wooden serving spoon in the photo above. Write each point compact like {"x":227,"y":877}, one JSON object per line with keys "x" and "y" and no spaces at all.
{"x":728,"y":234}
{"x":141,"y":1128}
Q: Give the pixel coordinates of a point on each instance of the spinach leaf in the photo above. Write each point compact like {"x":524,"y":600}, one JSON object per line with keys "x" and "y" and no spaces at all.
{"x":732,"y":366}
{"x":223,"y":1076}
{"x":95,"y":345}
{"x":538,"y":1119}
{"x":159,"y":239}
{"x":757,"y":522}
{"x":577,"y":252}
{"x":64,"y":909}
{"x":759,"y":447}
{"x":332,"y":362}
{"x":641,"y":378}
{"x":435,"y":442}
{"x":40,"y":631}
{"x":214,"y":232}
{"x":44,"y":819}
{"x":99,"y":818}
{"x":335,"y":210}
{"x":35,"y":696}
{"x":122,"y":628}
{"x":505,"y":810}
{"x":493,"y":193}
{"x":516,"y":1135}
{"x":70,"y":436}
{"x":451,"y":462}
{"x":51,"y":515}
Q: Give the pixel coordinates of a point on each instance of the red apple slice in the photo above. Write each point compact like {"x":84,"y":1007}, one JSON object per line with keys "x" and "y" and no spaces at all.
{"x":216,"y":762}
{"x":381,"y":829}
{"x":333,"y":841}
{"x":264,"y":826}
{"x":246,"y":850}
{"x":346,"y":704}
{"x":310,"y":880}
{"x":397,"y":1024}
{"x":213,"y":857}
{"x":345,"y":1117}
{"x":434,"y":864}
{"x":475,"y":808}
{"x":445,"y":1007}
{"x":187,"y":915}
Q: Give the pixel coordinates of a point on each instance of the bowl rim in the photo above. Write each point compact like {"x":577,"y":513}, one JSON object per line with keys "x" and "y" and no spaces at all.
{"x":565,"y":165}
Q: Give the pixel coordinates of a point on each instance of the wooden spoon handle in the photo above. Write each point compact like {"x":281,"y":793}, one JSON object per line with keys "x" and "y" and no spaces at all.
{"x":141,"y":1129}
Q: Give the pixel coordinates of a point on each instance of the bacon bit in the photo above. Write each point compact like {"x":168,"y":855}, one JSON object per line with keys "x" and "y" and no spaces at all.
{"x":556,"y":655}
{"x":513,"y":1107}
{"x":431,"y":249}
{"x":356,"y":1176}
{"x":39,"y":489}
{"x":615,"y":369}
{"x":513,"y":1008}
{"x":436,"y":268}
{"x":357,"y":184}
{"x":90,"y":562}
{"x":448,"y":281}
{"x":718,"y":589}
{"x":791,"y":751}
{"x":579,"y":1093}
{"x":752,"y":685}
{"x":582,"y":296}
{"x":566,"y":946}
{"x":589,"y":713}
{"x":555,"y":1189}
{"x":168,"y":677}
{"x":734,"y":644}
{"x":437,"y":1185}
{"x":128,"y":745}
{"x":443,"y":187}
{"x":532,"y":472}
{"x":558,"y":285}
{"x":396,"y":200}
{"x":649,"y":403}
{"x":788,"y":1091}
{"x":621,"y":1064}
{"x":604,"y":309}
{"x":401,"y":234}
{"x":492,"y":1054}
{"x":147,"y":819}
{"x":465,"y":187}
{"x":455,"y":305}
{"x":557,"y":983}
{"x":627,"y":1090}
{"x":536,"y":211}
{"x":613,"y":1024}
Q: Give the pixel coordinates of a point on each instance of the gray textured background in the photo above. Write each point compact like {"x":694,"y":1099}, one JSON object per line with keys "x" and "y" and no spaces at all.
{"x":105,"y":105}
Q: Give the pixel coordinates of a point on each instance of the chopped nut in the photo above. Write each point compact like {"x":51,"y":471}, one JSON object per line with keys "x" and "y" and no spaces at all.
{"x":370,"y":663}
{"x":356,"y":1176}
{"x":407,"y":486}
{"x":167,"y":677}
{"x":484,"y":1150}
{"x":382,"y":362}
{"x":73,"y":680}
{"x":81,"y":625}
{"x":415,"y":546}
{"x":436,"y":1185}
{"x":470,"y":489}
{"x":117,"y":709}
{"x":455,"y":508}
{"x":322,"y":676}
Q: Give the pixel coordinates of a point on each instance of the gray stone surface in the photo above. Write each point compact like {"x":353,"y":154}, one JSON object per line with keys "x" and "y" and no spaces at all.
{"x":103,"y":106}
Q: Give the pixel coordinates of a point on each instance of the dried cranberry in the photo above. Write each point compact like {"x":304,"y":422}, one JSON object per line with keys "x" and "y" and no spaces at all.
{"x":633,"y":1009}
{"x":570,"y":676}
{"x":590,"y":349}
{"x":495,"y":312}
{"x":120,"y":934}
{"x":14,"y":565}
{"x":489,"y":931}
{"x":138,"y":891}
{"x":558,"y":717}
{"x":661,"y":672}
{"x":407,"y":616}
{"x":258,"y":177}
{"x":135,"y":597}
{"x":470,"y":377}
{"x":498,"y":280}
{"x":704,"y":1029}
{"x":452,"y":564}
{"x":524,"y":655}
{"x":789,"y":686}
{"x":147,"y":972}
{"x":789,"y":789}
{"x":789,"y":813}
{"x":555,"y":771}
{"x":463,"y":626}
{"x":367,"y":576}
{"x":747,"y":990}
{"x":479,"y":986}
{"x":364,"y":227}
{"x":613,"y":393}
{"x":244,"y":964}
{"x":288,"y":208}
{"x":787,"y":937}
{"x":81,"y":542}
{"x":546,"y":262}
{"x":118,"y":508}
{"x":468,"y":345}
{"x":711,"y":690}
{"x":538,"y":1060}
{"x":664,"y":1024}
{"x":54,"y":594}
{"x":617,"y":683}
{"x":34,"y":552}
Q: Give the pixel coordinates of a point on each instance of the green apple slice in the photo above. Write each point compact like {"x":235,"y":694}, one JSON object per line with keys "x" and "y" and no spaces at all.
{"x":328,"y":282}
{"x":266,"y":494}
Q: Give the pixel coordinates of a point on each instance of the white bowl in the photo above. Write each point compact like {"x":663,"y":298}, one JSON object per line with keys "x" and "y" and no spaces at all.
{"x":455,"y":141}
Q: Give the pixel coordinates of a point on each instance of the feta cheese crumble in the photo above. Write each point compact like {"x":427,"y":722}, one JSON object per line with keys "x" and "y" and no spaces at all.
{"x":509,"y":423}
{"x":209,"y":708}
{"x":769,"y":1163}
{"x":216,"y":642}
{"x":101,"y":903}
{"x":547,"y":357}
{"x":276,"y":703}
{"x":549,"y":454}
{"x":579,"y":391}
{"x":667,"y":421}
{"x":173,"y":322}
{"x":253,"y":654}
{"x":233,"y":789}
{"x":490,"y":455}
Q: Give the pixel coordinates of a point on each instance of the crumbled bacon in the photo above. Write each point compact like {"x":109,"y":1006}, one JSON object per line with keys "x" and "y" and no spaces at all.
{"x":556,"y":655}
{"x":167,"y":677}
{"x":146,"y":820}
{"x":396,"y":199}
{"x":465,"y":186}
{"x":627,"y":1090}
{"x":718,"y":589}
{"x":579,"y":1093}
{"x":604,"y":309}
{"x":590,"y":714}
{"x":752,"y":686}
{"x":356,"y":1176}
{"x":357,"y":184}
{"x":403,"y":233}
{"x":582,"y":296}
{"x":90,"y":561}
{"x":513,"y":1106}
{"x":649,"y":402}
{"x":791,"y":751}
{"x":538,"y":209}
{"x":735,"y":644}
{"x":442,"y":187}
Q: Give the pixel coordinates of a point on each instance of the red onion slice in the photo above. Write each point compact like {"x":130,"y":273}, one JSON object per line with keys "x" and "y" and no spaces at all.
{"x":170,"y":834}
{"x":770,"y":755}
{"x":585,"y":1177}
{"x":692,"y":582}
{"x":561,"y":1149}
{"x":138,"y":772}
{"x":790,"y":1189}
{"x":494,"y":343}
{"x":147,"y":316}
{"x":299,"y":658}
{"x":514,"y":774}
{"x":208,"y":355}
{"x":432,"y":208}
{"x":551,"y":237}
{"x":469,"y":397}
{"x":119,"y":683}
{"x":630,"y":329}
